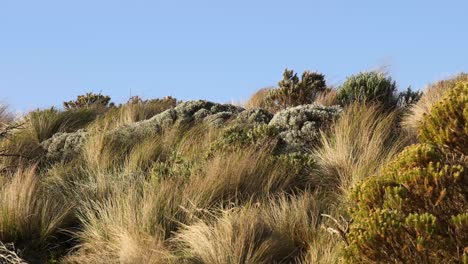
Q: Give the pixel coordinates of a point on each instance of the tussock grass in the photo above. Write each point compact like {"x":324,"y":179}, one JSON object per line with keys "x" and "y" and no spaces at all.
{"x":5,"y":116}
{"x":175,"y":196}
{"x":361,"y":141}
{"x":43,"y":124}
{"x":327,"y":98}
{"x":29,"y":214}
{"x":257,"y":100}
{"x":276,"y":231}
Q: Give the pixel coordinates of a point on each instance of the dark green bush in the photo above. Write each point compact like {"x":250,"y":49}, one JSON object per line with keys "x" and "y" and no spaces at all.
{"x":89,"y":100}
{"x":408,"y":97}
{"x":368,"y":87}
{"x":293,"y":91}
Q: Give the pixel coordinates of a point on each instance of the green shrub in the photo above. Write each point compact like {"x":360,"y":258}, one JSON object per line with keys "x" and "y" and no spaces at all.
{"x":89,"y":100}
{"x":446,"y":125}
{"x":368,"y":87}
{"x":408,"y":97}
{"x":413,"y":212}
{"x":293,"y":91}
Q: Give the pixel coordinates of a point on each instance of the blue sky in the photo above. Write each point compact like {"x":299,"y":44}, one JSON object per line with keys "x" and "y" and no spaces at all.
{"x":51,"y":51}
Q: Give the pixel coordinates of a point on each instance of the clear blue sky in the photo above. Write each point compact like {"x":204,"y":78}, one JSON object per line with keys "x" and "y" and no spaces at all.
{"x":51,"y":51}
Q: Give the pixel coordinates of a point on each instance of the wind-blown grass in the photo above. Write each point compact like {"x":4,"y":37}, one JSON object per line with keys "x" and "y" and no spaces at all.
{"x":361,"y":141}
{"x":29,"y":214}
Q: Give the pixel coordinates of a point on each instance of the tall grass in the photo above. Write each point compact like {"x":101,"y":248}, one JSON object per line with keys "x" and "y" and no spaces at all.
{"x":43,"y":124}
{"x":361,"y":141}
{"x":23,"y":146}
{"x":5,"y":116}
{"x":135,"y":110}
{"x":276,"y":231}
{"x":123,"y":199}
{"x":258,"y":98}
{"x":29,"y":214}
{"x":328,"y":98}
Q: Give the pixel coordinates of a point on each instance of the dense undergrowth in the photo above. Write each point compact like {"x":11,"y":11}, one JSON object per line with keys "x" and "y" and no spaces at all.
{"x":306,"y":173}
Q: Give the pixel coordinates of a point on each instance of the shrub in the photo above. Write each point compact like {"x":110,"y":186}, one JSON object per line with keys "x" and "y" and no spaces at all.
{"x":293,"y":91}
{"x":368,"y":87}
{"x":432,"y":94}
{"x":447,"y":123}
{"x":408,"y":98}
{"x":414,"y":212}
{"x":89,"y":100}
{"x":299,"y":126}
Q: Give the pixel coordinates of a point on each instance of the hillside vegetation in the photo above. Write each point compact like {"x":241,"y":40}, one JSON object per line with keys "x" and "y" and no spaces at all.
{"x":301,"y":173}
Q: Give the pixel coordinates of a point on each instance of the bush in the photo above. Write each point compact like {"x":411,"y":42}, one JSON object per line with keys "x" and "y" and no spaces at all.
{"x":300,"y":126}
{"x":414,"y":212}
{"x":89,"y":100}
{"x":408,"y":98}
{"x":293,"y":91}
{"x":447,"y":123}
{"x":368,"y":87}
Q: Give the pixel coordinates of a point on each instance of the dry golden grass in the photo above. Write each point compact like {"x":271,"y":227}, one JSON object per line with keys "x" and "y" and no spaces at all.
{"x":257,"y":100}
{"x":5,"y":116}
{"x":29,"y":215}
{"x":327,"y":98}
{"x":125,"y":227}
{"x":431,"y":95}
{"x":172,"y":197}
{"x":276,"y":231}
{"x":361,"y":141}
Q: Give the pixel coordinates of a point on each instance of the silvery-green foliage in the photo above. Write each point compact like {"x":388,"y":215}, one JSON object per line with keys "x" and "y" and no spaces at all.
{"x":257,"y":116}
{"x":300,"y":125}
{"x":66,"y":145}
